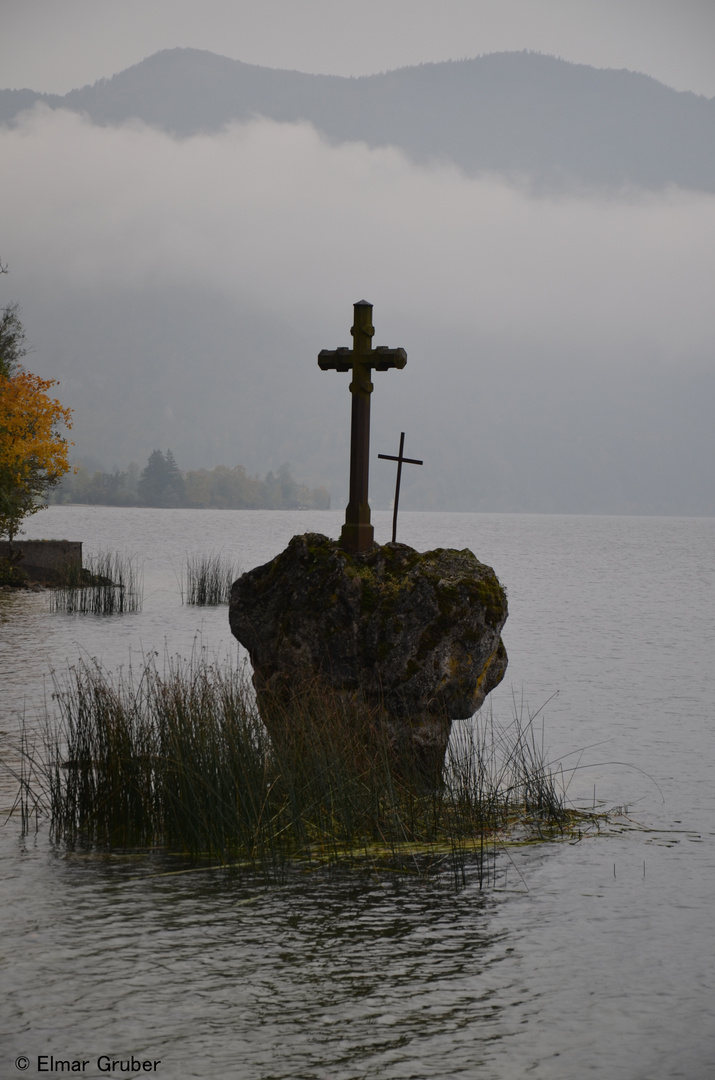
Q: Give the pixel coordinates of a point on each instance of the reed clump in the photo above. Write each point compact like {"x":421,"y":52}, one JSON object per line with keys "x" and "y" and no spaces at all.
{"x":207,"y":579}
{"x":181,"y":761}
{"x":110,"y":583}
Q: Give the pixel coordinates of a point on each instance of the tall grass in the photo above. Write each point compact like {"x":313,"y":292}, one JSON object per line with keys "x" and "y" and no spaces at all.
{"x":181,"y":760}
{"x":109,"y":584}
{"x":208,"y":579}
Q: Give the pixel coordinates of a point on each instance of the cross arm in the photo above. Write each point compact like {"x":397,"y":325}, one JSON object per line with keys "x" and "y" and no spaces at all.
{"x":408,"y":460}
{"x":382,"y":358}
{"x":335,"y":359}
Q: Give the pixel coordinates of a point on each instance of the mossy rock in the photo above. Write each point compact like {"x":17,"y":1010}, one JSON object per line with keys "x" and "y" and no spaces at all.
{"x":415,"y":634}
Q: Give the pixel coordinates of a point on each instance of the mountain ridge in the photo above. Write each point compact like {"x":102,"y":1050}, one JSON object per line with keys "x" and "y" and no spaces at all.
{"x":517,"y":114}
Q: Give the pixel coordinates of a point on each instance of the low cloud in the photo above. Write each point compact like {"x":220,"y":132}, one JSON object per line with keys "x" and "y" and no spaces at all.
{"x":270,"y":221}
{"x":271,"y":212}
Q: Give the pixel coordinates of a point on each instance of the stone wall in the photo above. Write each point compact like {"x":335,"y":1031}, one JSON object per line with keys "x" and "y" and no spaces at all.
{"x":43,"y":560}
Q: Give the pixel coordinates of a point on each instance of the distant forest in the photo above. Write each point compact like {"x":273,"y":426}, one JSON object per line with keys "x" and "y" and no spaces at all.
{"x":162,"y":483}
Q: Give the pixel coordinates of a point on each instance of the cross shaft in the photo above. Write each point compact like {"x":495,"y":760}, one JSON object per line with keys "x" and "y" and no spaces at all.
{"x":357,"y":532}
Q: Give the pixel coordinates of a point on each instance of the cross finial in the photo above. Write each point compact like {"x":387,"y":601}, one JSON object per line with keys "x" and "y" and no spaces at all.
{"x":358,"y":533}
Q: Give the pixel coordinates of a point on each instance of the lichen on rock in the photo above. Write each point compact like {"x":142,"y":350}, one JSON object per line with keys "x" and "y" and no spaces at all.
{"x":415,"y":635}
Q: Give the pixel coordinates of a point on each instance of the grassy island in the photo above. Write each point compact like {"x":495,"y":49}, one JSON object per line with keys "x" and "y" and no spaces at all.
{"x":180,"y":761}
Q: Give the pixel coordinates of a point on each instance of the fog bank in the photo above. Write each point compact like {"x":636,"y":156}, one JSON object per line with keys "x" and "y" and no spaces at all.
{"x":560,"y":350}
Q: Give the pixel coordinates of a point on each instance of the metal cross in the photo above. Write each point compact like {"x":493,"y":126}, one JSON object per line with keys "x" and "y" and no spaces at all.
{"x":399,"y":459}
{"x":357,"y":533}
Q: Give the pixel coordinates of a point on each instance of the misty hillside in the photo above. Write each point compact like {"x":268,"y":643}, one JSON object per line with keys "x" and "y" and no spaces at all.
{"x":559,"y":331}
{"x":519,"y":114}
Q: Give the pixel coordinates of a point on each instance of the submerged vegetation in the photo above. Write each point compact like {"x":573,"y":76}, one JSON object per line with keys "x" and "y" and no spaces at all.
{"x":11,"y":574}
{"x":208,"y":579}
{"x":109,"y":584}
{"x":182,"y":762}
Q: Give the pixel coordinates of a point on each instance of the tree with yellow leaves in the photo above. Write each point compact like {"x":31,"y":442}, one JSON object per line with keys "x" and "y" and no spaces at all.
{"x":33,"y":452}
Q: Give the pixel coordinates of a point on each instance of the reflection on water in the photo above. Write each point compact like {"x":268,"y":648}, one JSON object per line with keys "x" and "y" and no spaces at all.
{"x":588,"y":959}
{"x":353,"y":972}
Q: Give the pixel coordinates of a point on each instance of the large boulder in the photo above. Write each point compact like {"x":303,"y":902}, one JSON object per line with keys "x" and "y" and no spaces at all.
{"x":416,"y":636}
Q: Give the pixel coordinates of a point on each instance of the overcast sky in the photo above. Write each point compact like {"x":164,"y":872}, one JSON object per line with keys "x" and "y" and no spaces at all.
{"x":202,"y":275}
{"x":180,"y":289}
{"x":56,"y":45}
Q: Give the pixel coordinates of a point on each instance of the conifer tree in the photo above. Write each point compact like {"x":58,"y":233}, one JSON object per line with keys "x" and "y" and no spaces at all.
{"x":161,"y":482}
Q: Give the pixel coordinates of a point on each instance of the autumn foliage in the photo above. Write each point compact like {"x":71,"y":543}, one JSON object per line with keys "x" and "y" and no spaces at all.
{"x":33,"y":452}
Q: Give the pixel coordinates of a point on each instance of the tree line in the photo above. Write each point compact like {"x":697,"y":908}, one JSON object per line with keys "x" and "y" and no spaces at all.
{"x":35,"y":468}
{"x":162,"y":483}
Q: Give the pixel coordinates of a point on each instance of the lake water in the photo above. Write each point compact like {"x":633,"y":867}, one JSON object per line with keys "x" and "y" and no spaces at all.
{"x":590,"y":959}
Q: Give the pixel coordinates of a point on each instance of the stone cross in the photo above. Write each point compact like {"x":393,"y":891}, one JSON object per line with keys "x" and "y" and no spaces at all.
{"x":399,"y":459}
{"x":357,"y":533}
